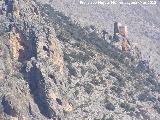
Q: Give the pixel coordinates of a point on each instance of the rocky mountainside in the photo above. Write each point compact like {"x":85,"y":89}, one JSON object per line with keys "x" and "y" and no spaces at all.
{"x":54,"y":68}
{"x":143,"y":21}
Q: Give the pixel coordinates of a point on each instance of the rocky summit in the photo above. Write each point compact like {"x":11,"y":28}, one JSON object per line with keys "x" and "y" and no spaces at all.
{"x":54,"y":67}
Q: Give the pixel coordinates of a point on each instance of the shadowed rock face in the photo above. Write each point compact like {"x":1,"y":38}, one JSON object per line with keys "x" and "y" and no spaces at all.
{"x":53,"y":68}
{"x":8,"y":109}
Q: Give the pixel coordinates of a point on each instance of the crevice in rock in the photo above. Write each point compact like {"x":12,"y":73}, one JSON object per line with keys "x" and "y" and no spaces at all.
{"x":29,"y":46}
{"x":37,"y":90}
{"x":45,"y":49}
{"x":23,"y":47}
{"x":7,"y":107}
{"x":53,"y":78}
{"x":59,"y":101}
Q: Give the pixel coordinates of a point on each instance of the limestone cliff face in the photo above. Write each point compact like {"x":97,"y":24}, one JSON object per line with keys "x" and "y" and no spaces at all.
{"x":57,"y":54}
{"x":27,"y":41}
{"x":48,"y":48}
{"x":14,"y":39}
{"x":36,"y":56}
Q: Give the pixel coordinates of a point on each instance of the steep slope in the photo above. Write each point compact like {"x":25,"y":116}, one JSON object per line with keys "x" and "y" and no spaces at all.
{"x":52,"y":68}
{"x":142,"y":21}
{"x":31,"y":59}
